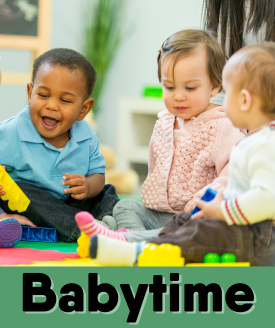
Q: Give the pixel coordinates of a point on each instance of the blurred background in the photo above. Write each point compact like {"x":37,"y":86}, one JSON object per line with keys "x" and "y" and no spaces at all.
{"x":135,"y":30}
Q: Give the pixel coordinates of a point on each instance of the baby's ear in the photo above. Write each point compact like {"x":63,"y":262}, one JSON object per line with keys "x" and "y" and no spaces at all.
{"x":86,"y":108}
{"x":246,"y":100}
{"x":215,"y":90}
{"x":29,"y":91}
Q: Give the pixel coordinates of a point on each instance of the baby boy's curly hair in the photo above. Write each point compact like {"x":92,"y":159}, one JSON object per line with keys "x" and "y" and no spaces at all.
{"x":71,"y":59}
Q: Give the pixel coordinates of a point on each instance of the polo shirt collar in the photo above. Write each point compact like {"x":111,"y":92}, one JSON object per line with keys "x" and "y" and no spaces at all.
{"x":80,"y":131}
{"x":27,"y":132}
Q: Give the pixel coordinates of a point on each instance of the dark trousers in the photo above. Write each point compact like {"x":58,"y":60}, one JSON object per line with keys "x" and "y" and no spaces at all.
{"x":45,"y":210}
{"x":252,"y":243}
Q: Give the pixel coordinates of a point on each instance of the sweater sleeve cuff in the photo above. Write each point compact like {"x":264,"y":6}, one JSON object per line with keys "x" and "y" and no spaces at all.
{"x":233,"y":213}
{"x":225,"y":213}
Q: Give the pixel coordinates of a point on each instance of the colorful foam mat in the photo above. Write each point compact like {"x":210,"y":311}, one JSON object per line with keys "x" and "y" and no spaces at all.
{"x":60,"y":246}
{"x":43,"y":254}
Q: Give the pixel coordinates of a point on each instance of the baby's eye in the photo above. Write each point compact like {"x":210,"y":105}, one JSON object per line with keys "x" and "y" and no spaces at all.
{"x":169,"y":88}
{"x":190,"y":89}
{"x":65,"y":100}
{"x":42,"y":95}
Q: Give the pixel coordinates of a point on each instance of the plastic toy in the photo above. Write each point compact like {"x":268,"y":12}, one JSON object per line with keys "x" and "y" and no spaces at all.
{"x":160,"y":255}
{"x":18,"y":201}
{"x":227,"y":264}
{"x":10,"y":232}
{"x":207,"y":197}
{"x":47,"y":235}
{"x":225,"y":258}
{"x":214,"y":260}
{"x":83,"y":245}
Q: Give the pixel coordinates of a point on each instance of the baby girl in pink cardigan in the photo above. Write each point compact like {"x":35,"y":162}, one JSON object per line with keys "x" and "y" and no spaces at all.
{"x":191,"y":141}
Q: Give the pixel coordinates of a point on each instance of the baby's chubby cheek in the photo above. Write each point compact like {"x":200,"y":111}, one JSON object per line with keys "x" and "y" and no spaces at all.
{"x":198,"y":105}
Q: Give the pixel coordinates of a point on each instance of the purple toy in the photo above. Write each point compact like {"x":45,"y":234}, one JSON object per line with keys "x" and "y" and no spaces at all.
{"x":10,"y":232}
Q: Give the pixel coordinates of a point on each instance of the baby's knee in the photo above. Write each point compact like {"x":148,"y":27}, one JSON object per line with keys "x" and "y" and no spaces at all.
{"x":126,"y":204}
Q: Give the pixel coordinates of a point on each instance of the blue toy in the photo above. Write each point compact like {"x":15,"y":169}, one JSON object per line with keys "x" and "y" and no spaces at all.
{"x":48,"y":235}
{"x":207,"y":197}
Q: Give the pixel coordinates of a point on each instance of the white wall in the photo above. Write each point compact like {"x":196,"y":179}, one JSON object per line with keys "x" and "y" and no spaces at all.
{"x":135,"y":64}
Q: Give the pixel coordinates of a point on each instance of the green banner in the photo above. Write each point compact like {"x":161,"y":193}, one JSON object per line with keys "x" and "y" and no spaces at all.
{"x":147,"y":297}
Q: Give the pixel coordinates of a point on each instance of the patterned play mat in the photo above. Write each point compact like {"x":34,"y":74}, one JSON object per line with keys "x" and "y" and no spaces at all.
{"x":28,"y":253}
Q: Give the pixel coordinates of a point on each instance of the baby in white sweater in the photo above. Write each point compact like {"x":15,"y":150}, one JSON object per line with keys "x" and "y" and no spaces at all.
{"x":240,"y":220}
{"x":248,"y":80}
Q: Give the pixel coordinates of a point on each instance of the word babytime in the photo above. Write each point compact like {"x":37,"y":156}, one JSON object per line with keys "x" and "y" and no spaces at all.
{"x":239,"y":298}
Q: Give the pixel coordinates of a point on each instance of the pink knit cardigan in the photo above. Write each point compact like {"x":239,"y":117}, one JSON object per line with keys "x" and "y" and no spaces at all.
{"x":195,"y":161}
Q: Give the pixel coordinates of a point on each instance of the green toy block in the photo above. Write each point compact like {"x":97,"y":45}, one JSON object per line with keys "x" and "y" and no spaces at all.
{"x":221,"y":265}
{"x":225,"y":258}
{"x":212,"y":258}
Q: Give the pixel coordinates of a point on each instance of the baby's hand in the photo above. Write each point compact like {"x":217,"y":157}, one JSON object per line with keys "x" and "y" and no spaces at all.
{"x":1,"y":192}
{"x":190,"y":205}
{"x":78,"y":183}
{"x":210,"y":210}
{"x":22,"y":219}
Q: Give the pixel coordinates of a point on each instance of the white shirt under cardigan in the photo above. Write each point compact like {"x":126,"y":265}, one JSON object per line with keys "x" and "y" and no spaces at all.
{"x":250,"y":192}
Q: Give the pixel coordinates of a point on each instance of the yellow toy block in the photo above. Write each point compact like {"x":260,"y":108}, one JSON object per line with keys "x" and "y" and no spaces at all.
{"x":83,"y":245}
{"x":226,"y":264}
{"x":161,"y":255}
{"x":18,"y":201}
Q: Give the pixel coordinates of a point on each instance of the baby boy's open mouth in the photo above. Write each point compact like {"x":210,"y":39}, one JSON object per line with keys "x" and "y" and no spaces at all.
{"x":49,"y":122}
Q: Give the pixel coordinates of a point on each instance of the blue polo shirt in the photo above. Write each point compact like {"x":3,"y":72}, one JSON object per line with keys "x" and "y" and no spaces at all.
{"x":30,"y":159}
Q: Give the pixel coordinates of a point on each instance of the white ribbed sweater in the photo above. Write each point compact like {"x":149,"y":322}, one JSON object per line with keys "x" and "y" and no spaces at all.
{"x":250,"y":192}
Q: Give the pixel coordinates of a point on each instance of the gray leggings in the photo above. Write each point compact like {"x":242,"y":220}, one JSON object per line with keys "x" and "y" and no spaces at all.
{"x":131,"y":214}
{"x":145,"y":235}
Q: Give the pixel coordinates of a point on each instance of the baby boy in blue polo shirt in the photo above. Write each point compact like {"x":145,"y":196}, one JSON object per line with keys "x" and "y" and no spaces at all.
{"x":51,"y":151}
